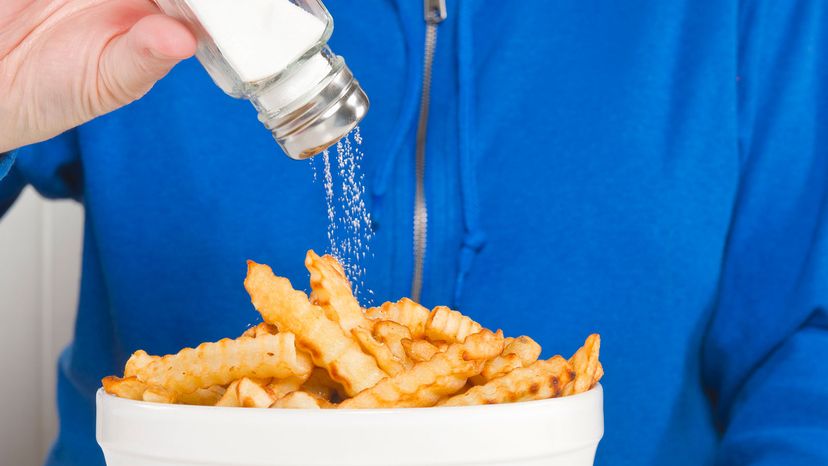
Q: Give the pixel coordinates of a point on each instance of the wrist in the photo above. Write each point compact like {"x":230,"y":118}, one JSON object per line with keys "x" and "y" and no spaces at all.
{"x":17,"y":128}
{"x":9,"y":129}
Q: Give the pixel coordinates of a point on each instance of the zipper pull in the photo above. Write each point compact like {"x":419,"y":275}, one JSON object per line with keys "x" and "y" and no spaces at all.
{"x":435,"y":11}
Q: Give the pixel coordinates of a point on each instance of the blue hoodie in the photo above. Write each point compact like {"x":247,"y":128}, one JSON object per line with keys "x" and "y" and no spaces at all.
{"x":653,"y":171}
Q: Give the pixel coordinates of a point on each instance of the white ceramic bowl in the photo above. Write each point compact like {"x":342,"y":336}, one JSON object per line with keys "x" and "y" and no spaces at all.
{"x":556,"y":432}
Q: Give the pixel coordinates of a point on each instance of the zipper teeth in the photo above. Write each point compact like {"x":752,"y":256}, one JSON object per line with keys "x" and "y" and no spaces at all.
{"x":420,"y":207}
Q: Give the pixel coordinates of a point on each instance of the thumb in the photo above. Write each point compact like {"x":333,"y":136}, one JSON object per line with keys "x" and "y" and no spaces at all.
{"x":132,"y":62}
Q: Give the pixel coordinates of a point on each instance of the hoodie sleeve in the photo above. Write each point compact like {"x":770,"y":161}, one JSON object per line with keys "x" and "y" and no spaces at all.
{"x":11,"y":182}
{"x":52,"y":167}
{"x":765,"y":357}
{"x":6,"y":163}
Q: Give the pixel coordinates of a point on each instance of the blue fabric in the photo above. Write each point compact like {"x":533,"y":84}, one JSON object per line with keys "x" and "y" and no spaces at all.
{"x":653,"y":171}
{"x":11,"y":182}
{"x":6,"y":162}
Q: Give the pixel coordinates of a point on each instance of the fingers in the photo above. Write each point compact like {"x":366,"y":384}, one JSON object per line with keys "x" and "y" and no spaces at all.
{"x":164,"y":37}
{"x":134,"y":61}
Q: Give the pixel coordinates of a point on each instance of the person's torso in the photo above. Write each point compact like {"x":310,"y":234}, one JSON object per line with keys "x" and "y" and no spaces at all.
{"x":581,"y":166}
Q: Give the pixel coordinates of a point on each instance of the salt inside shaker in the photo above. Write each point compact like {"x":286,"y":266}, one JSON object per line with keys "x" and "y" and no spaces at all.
{"x":275,"y":54}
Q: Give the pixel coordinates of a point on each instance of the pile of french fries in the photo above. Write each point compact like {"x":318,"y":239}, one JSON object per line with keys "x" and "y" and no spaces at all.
{"x":325,"y":351}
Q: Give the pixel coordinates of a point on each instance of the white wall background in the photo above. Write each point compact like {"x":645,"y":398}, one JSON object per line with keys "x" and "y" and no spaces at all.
{"x":40,"y":250}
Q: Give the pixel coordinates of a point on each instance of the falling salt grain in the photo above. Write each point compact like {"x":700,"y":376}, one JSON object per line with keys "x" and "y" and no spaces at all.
{"x":349,"y":222}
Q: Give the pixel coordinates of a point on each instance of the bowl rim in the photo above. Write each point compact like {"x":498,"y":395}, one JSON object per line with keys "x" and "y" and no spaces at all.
{"x":167,"y":408}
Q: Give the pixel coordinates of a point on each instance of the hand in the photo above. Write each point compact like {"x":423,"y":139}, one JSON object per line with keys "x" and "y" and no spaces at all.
{"x":65,"y":62}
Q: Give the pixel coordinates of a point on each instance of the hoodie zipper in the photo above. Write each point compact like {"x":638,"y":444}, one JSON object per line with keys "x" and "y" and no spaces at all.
{"x":435,"y":13}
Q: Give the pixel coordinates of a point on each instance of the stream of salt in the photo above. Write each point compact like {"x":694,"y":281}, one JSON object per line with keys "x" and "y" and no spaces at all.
{"x":349,"y":221}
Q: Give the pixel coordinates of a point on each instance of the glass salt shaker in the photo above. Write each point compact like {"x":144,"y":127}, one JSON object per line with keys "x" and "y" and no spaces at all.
{"x":275,"y":54}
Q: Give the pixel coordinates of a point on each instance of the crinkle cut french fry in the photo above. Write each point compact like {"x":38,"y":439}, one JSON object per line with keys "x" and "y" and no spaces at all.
{"x":158,"y":394}
{"x":203,"y":396}
{"x":247,"y":393}
{"x":262,"y":380}
{"x":278,"y":388}
{"x":331,"y":290}
{"x":540,"y":380}
{"x":133,"y":389}
{"x":312,"y":352}
{"x":392,"y":334}
{"x":404,"y":312}
{"x":419,"y":350}
{"x":587,"y":367}
{"x":300,"y":400}
{"x":380,"y":351}
{"x":497,"y":367}
{"x":599,"y":374}
{"x":321,"y":385}
{"x":517,"y":352}
{"x":252,"y":395}
{"x":324,"y":339}
{"x":527,"y":349}
{"x":139,"y":360}
{"x":129,"y":387}
{"x":230,"y":399}
{"x":422,"y":389}
{"x":449,"y":326}
{"x":262,"y":329}
{"x":428,"y":382}
{"x":224,"y":361}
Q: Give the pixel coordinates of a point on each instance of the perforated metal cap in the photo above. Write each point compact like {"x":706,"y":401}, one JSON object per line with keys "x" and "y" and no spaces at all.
{"x":329,"y":115}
